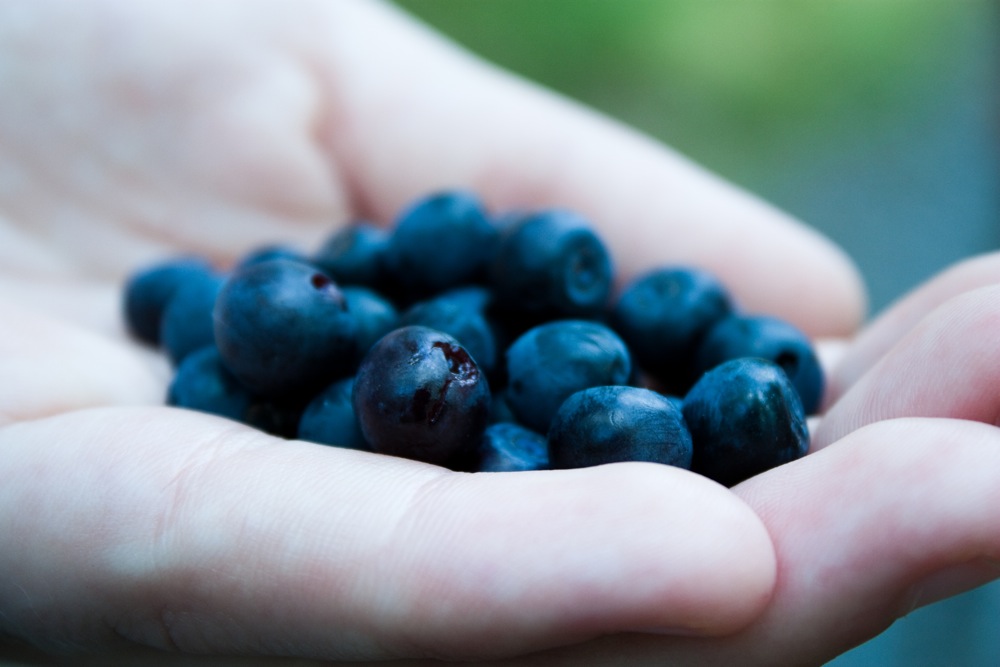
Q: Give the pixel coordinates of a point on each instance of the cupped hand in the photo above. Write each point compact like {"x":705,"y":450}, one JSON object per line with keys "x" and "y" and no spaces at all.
{"x":136,"y":131}
{"x":896,"y":505}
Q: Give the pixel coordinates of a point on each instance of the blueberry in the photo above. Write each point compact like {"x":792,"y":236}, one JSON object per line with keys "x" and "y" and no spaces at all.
{"x":441,"y":241}
{"x":203,"y":383}
{"x":186,"y":325}
{"x":612,"y":424}
{"x":500,"y":411}
{"x":269,"y":252}
{"x":419,"y":395}
{"x":374,"y":317}
{"x":550,"y":265}
{"x":329,"y":418}
{"x":769,"y":338}
{"x":471,"y":297}
{"x":664,"y":315}
{"x":276,"y":416}
{"x":507,"y":447}
{"x":553,"y":360}
{"x":745,"y":417}
{"x":355,"y":255}
{"x":147,"y":293}
{"x":283,"y":327}
{"x":457,"y":314}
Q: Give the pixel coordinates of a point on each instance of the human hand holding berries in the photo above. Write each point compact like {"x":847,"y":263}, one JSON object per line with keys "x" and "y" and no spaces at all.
{"x":154,"y":527}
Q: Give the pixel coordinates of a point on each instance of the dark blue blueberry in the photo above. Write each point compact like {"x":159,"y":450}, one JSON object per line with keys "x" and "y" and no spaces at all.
{"x":456,"y":314}
{"x":768,"y":338}
{"x":269,"y":252}
{"x":147,"y":293}
{"x":355,"y":255}
{"x":418,"y":394}
{"x":500,"y":411}
{"x":613,"y":424}
{"x":663,"y":317}
{"x":186,"y":325}
{"x":374,"y":315}
{"x":507,"y":447}
{"x":202,"y":383}
{"x":745,"y":417}
{"x":329,"y":418}
{"x":554,"y":360}
{"x":551,"y":265}
{"x":276,"y":416}
{"x":283,"y":328}
{"x":441,"y":241}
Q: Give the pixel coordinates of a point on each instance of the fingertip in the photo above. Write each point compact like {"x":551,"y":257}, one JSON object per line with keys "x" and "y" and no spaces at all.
{"x":625,"y":547}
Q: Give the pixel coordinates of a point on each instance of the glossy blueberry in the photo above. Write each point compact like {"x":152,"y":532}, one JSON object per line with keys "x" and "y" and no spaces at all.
{"x":147,"y":293}
{"x":355,"y":255}
{"x":186,"y":325}
{"x":768,"y":338}
{"x":329,"y":418}
{"x":663,"y":317}
{"x":283,"y":328}
{"x":507,"y":447}
{"x":418,"y":394}
{"x":457,"y":315}
{"x":374,"y":317}
{"x":553,"y":360}
{"x":551,"y":264}
{"x":745,"y":417}
{"x":269,"y":252}
{"x":613,"y":424}
{"x":442,"y":241}
{"x":202,"y":383}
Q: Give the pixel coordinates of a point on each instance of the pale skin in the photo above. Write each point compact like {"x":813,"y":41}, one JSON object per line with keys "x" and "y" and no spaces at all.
{"x":131,"y":132}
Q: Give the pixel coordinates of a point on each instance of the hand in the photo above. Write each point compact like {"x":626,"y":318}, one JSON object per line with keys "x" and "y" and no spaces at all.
{"x":895,"y":507}
{"x":134,"y":131}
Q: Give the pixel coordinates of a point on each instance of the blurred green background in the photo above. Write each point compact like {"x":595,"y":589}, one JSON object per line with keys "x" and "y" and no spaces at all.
{"x":875,"y":121}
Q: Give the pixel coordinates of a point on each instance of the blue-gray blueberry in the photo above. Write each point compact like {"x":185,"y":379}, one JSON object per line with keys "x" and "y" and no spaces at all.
{"x":148,"y":291}
{"x":768,"y":338}
{"x":441,"y":241}
{"x":615,"y":424}
{"x":186,"y":324}
{"x":283,"y":327}
{"x":553,"y":360}
{"x":663,"y":317}
{"x":552,"y":265}
{"x":745,"y":417}
{"x":329,"y":418}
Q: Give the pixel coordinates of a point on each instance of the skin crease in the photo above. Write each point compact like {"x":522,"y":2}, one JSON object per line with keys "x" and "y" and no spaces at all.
{"x":131,"y":133}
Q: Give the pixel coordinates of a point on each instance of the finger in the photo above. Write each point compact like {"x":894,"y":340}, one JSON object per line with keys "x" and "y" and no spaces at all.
{"x":948,"y":365}
{"x":864,"y":528}
{"x":865,"y":532}
{"x":877,"y":338}
{"x":50,"y":366}
{"x":414,"y":114}
{"x":185,"y":532}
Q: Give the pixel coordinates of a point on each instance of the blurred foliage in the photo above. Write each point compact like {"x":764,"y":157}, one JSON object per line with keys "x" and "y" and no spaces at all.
{"x":730,"y":82}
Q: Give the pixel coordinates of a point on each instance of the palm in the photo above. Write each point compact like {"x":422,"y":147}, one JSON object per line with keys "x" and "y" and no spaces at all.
{"x":144,"y":133}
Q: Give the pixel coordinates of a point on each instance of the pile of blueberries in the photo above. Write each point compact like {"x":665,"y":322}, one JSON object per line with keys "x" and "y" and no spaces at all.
{"x":482,"y":343}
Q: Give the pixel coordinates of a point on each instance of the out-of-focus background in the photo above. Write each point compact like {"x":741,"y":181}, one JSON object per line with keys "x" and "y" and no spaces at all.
{"x":876,"y":121}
